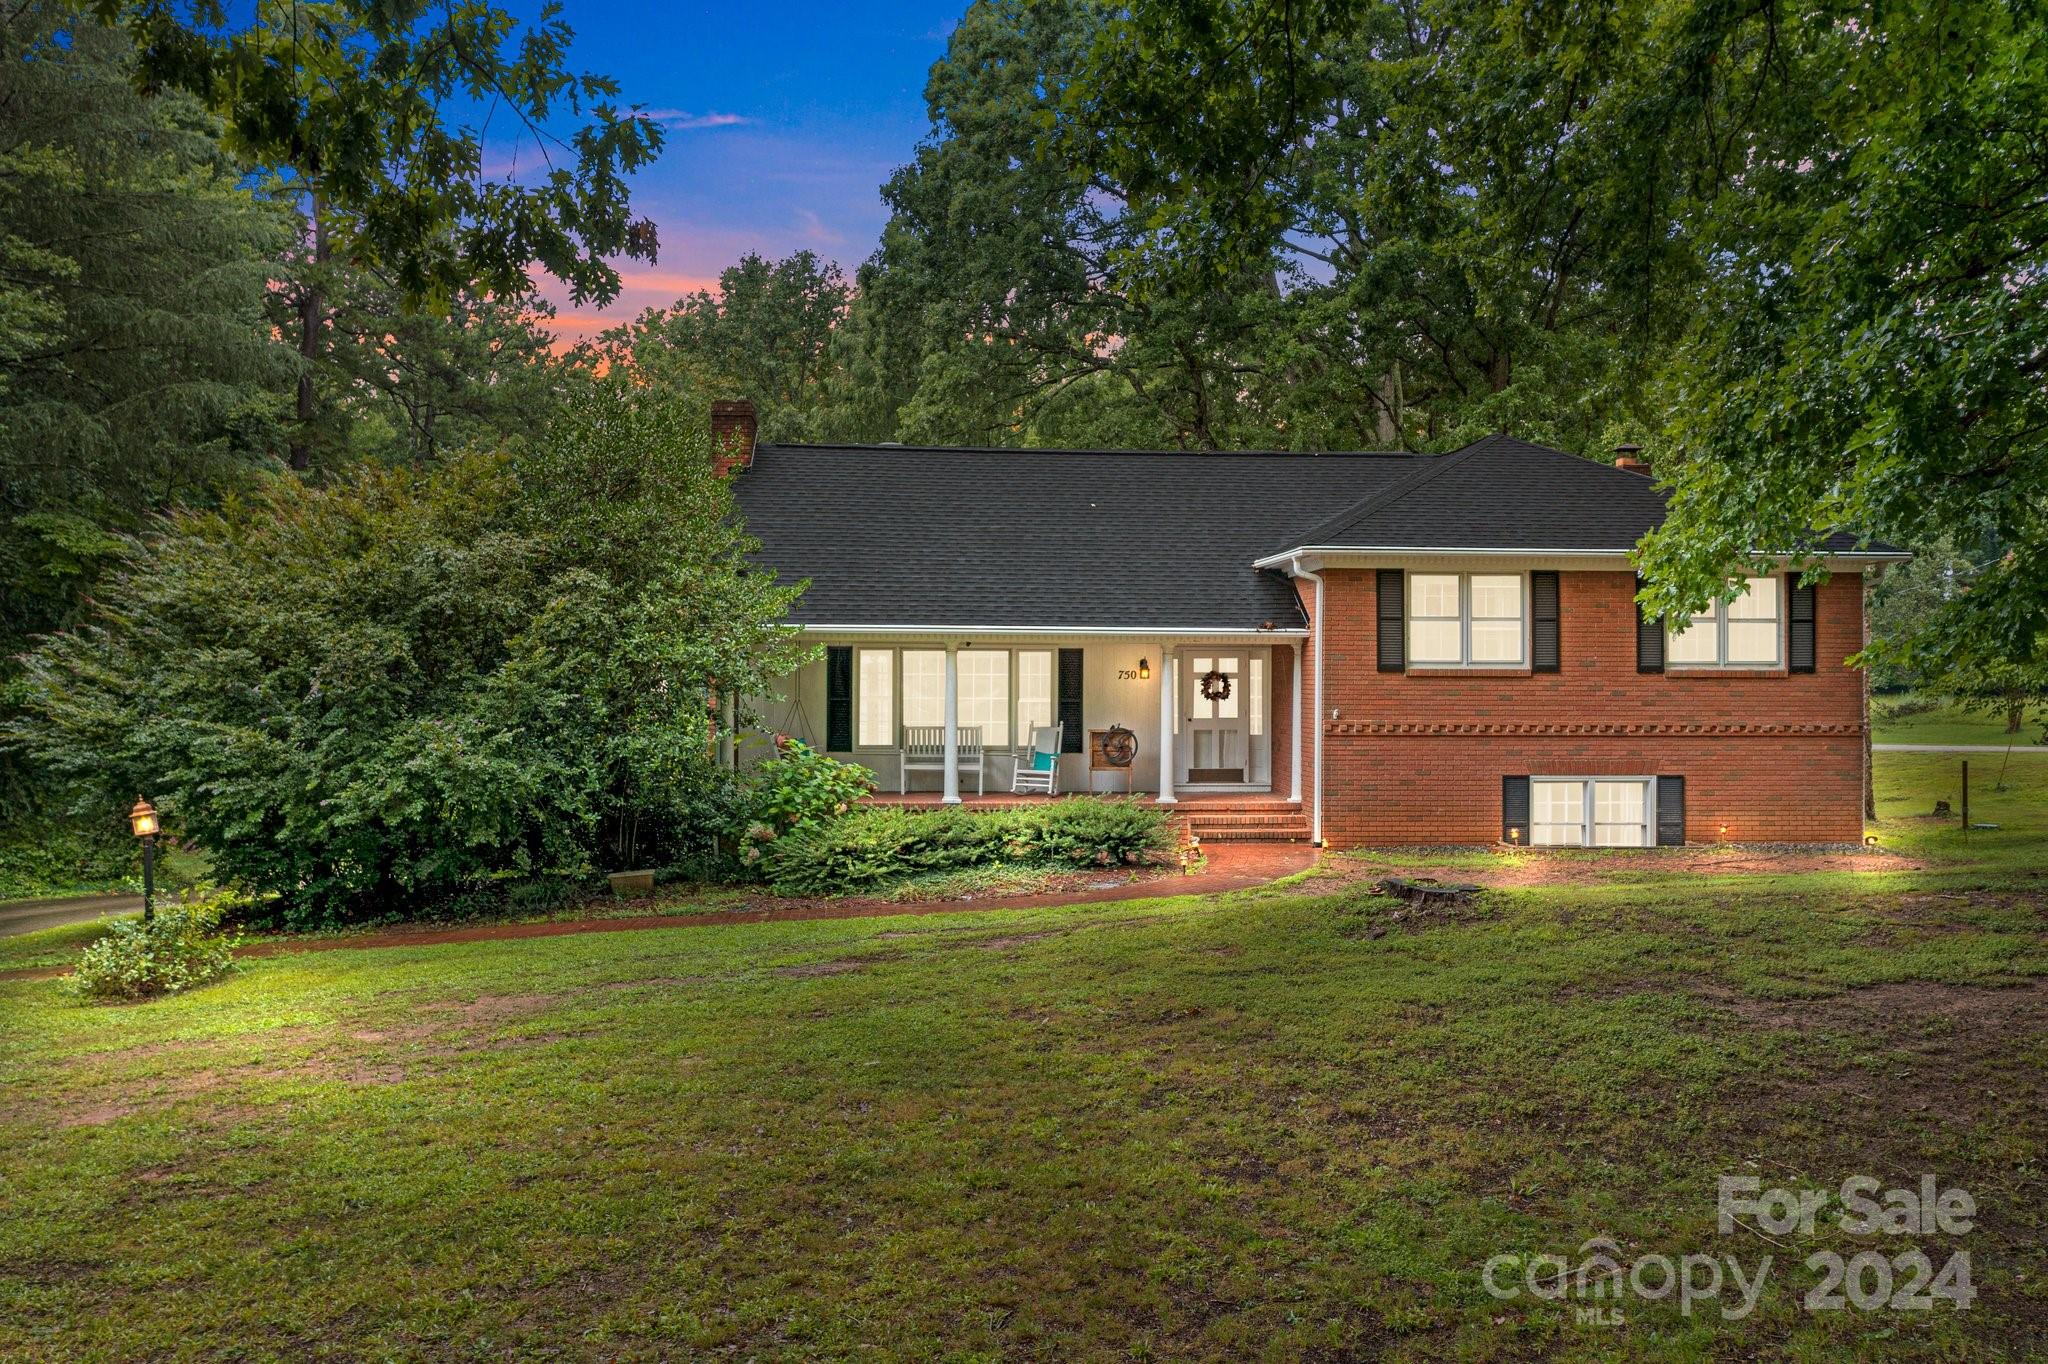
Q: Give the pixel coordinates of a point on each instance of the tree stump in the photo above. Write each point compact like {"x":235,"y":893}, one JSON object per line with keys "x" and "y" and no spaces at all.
{"x":1426,"y":892}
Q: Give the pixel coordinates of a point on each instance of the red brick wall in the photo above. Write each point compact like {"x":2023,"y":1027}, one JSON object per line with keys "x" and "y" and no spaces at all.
{"x":1418,"y":757}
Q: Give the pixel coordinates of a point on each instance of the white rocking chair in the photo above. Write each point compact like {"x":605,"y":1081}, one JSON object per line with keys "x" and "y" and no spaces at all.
{"x":1037,"y":767}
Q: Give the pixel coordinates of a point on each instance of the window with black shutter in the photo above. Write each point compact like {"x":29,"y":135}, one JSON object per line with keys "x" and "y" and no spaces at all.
{"x":1393,"y":642}
{"x":1801,"y":653}
{"x":1544,"y":646}
{"x":1670,"y":812}
{"x":1072,"y":740}
{"x":1514,"y":810}
{"x":1649,"y":638}
{"x":839,"y":698}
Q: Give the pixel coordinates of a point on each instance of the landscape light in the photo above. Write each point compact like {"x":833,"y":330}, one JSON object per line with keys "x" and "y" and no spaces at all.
{"x":143,"y":820}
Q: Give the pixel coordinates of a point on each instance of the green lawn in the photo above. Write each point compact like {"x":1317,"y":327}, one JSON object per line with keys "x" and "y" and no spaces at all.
{"x":1225,"y":1128}
{"x":1945,"y":725}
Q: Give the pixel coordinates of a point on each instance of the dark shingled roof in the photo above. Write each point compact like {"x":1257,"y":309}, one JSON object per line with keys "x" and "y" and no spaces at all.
{"x":1042,"y":539}
{"x":1496,"y":493}
{"x":1165,"y":540}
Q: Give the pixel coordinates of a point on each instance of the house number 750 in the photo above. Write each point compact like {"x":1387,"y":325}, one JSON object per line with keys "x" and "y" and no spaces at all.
{"x":1126,"y":674}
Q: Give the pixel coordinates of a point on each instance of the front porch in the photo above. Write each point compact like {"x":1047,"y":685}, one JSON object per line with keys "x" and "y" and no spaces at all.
{"x":1213,"y":718}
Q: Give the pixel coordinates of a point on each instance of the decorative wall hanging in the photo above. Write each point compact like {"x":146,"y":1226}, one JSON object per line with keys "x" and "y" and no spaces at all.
{"x":1215,"y":686}
{"x":1119,"y":747}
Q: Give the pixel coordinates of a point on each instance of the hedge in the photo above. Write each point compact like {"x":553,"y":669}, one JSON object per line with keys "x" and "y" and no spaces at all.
{"x":873,"y":847}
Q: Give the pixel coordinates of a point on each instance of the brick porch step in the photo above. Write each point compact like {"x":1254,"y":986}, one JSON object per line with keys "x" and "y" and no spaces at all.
{"x":1250,"y":821}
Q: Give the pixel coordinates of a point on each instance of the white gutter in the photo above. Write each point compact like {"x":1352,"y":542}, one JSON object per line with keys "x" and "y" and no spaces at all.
{"x":1034,"y":631}
{"x":1291,"y":556}
{"x":1315,"y":834}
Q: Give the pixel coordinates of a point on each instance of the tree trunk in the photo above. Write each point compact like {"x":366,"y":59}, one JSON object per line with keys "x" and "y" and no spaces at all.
{"x":2015,"y":712}
{"x":312,"y":314}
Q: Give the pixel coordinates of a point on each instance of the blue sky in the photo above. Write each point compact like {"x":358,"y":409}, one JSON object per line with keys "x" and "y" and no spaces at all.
{"x":783,"y":123}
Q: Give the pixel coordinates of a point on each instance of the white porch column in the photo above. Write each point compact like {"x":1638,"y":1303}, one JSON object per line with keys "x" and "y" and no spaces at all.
{"x":1169,"y":697}
{"x":1295,"y":767}
{"x":952,"y":791}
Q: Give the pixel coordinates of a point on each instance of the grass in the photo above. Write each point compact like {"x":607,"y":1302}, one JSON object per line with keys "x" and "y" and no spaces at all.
{"x":1944,"y":725}
{"x":1233,"y":1127}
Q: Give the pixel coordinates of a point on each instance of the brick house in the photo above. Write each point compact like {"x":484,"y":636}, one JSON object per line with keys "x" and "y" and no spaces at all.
{"x":1353,"y":648}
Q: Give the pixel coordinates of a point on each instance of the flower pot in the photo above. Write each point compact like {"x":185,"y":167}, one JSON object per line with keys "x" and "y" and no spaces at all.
{"x":631,"y":885}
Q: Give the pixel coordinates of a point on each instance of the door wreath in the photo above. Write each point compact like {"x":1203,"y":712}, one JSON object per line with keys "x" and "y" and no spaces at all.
{"x":1215,"y":686}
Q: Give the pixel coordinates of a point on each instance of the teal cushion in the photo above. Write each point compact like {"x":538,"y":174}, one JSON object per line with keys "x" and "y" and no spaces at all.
{"x":1042,"y":762}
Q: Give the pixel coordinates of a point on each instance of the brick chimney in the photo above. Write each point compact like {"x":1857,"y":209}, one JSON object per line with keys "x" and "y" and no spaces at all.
{"x":1629,"y":456}
{"x":732,"y":436}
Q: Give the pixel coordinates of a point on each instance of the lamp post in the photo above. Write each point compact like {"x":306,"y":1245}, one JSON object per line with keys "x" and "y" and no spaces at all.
{"x":143,"y":820}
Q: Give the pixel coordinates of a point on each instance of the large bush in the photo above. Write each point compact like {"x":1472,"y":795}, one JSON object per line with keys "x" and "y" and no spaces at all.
{"x":181,"y":947}
{"x":800,"y":785}
{"x":870,"y":848}
{"x":371,"y":695}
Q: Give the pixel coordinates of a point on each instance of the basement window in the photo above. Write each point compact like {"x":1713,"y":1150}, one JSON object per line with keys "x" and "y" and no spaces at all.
{"x":1591,"y":812}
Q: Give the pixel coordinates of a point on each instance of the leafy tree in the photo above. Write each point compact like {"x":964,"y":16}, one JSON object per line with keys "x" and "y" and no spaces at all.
{"x":765,"y":335}
{"x":394,"y":384}
{"x":1872,"y":344}
{"x":353,"y":96}
{"x":134,"y":370}
{"x":1001,"y":307}
{"x":2008,"y":689}
{"x":1808,"y":244}
{"x":371,"y":694}
{"x":358,"y":102}
{"x":1906,"y":598}
{"x":1389,"y":223}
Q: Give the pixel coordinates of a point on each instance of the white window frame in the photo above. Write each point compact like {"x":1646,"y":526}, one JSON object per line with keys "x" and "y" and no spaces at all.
{"x":1465,"y":659}
{"x":1018,"y":737}
{"x":1717,"y":617}
{"x":1589,"y":810}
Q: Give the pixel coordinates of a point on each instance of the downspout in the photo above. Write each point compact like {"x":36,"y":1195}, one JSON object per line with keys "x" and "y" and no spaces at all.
{"x":1315,"y":835}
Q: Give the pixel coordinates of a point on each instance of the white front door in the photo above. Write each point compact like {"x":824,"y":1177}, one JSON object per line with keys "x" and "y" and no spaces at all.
{"x":1215,"y":737}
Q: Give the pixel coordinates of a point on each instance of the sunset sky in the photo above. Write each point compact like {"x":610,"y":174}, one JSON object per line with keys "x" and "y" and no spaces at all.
{"x":782,"y":125}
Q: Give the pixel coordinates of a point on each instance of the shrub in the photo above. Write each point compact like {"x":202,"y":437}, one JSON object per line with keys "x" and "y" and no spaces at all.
{"x":874,"y":847}
{"x":544,"y":894}
{"x":800,"y":785}
{"x":181,"y":947}
{"x":369,"y":693}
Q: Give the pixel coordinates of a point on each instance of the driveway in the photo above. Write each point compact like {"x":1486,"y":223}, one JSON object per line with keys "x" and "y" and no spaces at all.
{"x":26,"y":916}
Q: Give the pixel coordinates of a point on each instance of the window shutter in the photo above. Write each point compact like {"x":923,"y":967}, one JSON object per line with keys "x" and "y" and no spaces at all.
{"x":839,"y":698}
{"x":1802,"y":640}
{"x":1670,"y":812}
{"x":1393,"y":637}
{"x":1071,"y":738}
{"x":1543,"y":630}
{"x":1514,"y":810}
{"x":1649,"y":638}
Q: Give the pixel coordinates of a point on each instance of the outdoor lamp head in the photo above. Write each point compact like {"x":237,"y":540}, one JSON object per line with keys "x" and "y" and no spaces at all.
{"x":142,"y":818}
{"x":1145,"y":669}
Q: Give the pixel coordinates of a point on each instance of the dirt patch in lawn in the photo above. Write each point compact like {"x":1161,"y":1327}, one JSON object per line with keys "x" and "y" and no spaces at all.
{"x":1880,"y":1067}
{"x":2020,"y":1009}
